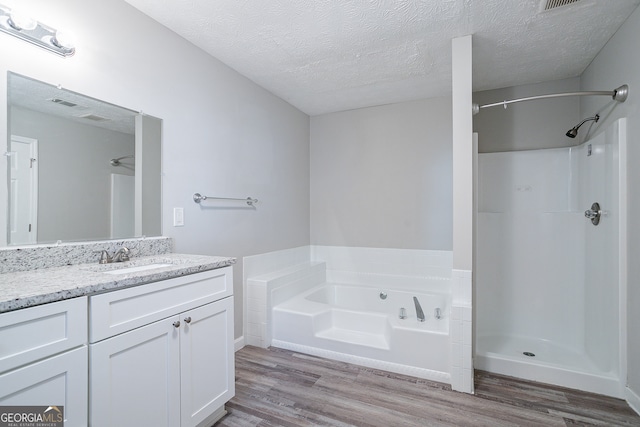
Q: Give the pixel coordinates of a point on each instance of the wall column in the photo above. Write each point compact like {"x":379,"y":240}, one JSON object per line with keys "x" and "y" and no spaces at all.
{"x":461,"y":328}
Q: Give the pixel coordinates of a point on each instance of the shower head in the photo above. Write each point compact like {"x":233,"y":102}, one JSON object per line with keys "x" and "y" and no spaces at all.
{"x":573,"y":132}
{"x":116,"y":162}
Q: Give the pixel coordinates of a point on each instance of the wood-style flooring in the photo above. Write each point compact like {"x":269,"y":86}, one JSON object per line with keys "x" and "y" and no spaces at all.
{"x":276,"y":387}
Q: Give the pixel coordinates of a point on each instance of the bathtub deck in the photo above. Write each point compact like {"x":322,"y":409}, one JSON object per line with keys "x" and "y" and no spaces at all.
{"x":277,"y":387}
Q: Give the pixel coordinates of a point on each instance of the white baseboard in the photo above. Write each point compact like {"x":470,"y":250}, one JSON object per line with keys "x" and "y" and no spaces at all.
{"x":238,"y":343}
{"x":633,"y":400}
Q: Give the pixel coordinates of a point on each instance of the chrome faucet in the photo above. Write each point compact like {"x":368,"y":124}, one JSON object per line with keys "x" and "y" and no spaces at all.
{"x":419,"y":312}
{"x":121,"y":255}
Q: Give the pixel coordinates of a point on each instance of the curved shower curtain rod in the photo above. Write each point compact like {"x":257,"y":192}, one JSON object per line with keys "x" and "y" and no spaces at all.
{"x":619,"y":94}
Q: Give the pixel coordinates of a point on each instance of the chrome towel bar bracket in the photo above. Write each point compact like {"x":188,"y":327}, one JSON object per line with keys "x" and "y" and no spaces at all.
{"x":197,"y":197}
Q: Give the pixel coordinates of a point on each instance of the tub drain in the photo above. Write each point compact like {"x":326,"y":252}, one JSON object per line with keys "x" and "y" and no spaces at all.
{"x":528,"y":354}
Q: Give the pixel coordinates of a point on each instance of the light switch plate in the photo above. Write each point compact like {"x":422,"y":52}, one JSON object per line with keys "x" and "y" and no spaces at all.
{"x":178,"y":217}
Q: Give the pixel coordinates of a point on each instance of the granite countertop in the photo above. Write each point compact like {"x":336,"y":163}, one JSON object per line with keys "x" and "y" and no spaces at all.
{"x":29,"y":288}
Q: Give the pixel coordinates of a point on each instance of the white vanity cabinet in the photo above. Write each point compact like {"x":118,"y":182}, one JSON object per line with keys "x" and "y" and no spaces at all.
{"x":162,"y":354}
{"x":43,"y":358}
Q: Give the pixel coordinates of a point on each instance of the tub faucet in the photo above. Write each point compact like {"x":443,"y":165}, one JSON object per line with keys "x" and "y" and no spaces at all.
{"x":419,"y":312}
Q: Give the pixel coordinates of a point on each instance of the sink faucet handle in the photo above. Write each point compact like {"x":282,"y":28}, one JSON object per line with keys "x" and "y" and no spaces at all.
{"x":121,"y":255}
{"x":104,"y":257}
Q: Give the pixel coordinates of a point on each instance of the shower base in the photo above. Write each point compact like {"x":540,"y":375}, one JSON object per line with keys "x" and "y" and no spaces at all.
{"x":552,"y":364}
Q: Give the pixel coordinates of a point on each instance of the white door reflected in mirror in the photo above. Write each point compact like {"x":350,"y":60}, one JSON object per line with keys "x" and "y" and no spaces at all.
{"x":23,"y":212}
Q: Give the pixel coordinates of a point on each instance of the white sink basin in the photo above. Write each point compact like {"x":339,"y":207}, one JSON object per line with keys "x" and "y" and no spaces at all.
{"x":138,"y":268}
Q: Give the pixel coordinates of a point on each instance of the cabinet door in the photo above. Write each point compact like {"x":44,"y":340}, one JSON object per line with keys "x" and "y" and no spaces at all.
{"x":135,"y":378}
{"x":56,"y":381}
{"x":207,"y":360}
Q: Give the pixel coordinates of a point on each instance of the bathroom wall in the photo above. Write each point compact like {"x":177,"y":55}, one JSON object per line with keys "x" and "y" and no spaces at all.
{"x":67,"y":150}
{"x":222,"y":134}
{"x":389,"y":268}
{"x":381,"y":177}
{"x":527,"y":125}
{"x":617,"y":64}
{"x":598,"y":181}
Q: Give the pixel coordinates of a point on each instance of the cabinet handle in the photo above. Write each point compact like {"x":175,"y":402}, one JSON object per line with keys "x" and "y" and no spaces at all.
{"x":187,"y":319}
{"x":176,"y":324}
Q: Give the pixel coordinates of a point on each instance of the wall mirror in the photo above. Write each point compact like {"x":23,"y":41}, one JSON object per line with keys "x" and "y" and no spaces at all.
{"x":78,"y":168}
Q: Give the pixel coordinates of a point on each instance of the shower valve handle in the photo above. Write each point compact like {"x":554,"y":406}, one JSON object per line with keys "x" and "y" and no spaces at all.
{"x":594,"y":213}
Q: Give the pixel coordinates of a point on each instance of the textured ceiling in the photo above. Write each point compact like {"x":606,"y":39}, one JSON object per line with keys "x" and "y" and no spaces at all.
{"x":331,"y":55}
{"x":35,"y":95}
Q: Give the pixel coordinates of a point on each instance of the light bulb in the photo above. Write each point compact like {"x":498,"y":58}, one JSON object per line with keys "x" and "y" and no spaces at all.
{"x":63,"y":40}
{"x":19,"y":21}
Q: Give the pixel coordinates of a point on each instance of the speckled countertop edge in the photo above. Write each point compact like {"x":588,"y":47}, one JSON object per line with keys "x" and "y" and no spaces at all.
{"x":34,"y":257}
{"x":29,"y":288}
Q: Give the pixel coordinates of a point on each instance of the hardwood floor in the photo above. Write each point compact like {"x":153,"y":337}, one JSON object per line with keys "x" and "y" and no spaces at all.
{"x":277,"y":387}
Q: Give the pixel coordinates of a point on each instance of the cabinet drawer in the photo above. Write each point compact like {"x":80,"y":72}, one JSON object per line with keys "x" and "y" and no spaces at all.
{"x":116,"y":312}
{"x":34,"y":333}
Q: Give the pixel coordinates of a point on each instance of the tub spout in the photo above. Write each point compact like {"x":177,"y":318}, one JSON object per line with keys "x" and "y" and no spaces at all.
{"x":419,"y":312}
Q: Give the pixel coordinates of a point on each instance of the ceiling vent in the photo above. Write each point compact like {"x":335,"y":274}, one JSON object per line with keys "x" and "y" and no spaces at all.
{"x":554,"y":4}
{"x":63,"y":102}
{"x":93,"y":117}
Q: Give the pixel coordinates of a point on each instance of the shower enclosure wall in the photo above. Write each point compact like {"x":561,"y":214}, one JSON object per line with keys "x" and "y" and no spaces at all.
{"x":548,"y":283}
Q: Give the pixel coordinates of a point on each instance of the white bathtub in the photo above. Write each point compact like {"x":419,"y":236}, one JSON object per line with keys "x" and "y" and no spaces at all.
{"x":352,"y":323}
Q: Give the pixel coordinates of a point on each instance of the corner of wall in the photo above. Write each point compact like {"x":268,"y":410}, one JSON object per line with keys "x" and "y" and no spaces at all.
{"x":461,"y":326}
{"x":633,"y":400}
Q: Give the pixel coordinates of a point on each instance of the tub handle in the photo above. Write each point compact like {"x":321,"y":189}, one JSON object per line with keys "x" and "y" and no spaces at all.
{"x":437,"y":313}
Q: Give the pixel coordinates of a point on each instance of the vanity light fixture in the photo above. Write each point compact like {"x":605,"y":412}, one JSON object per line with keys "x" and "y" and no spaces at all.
{"x":37,"y":33}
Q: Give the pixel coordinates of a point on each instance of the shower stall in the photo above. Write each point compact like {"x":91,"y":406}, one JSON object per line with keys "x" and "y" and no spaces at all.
{"x":550,"y":284}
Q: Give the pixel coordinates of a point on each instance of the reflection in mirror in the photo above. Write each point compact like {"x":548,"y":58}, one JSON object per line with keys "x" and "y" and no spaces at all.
{"x":79,"y":168}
